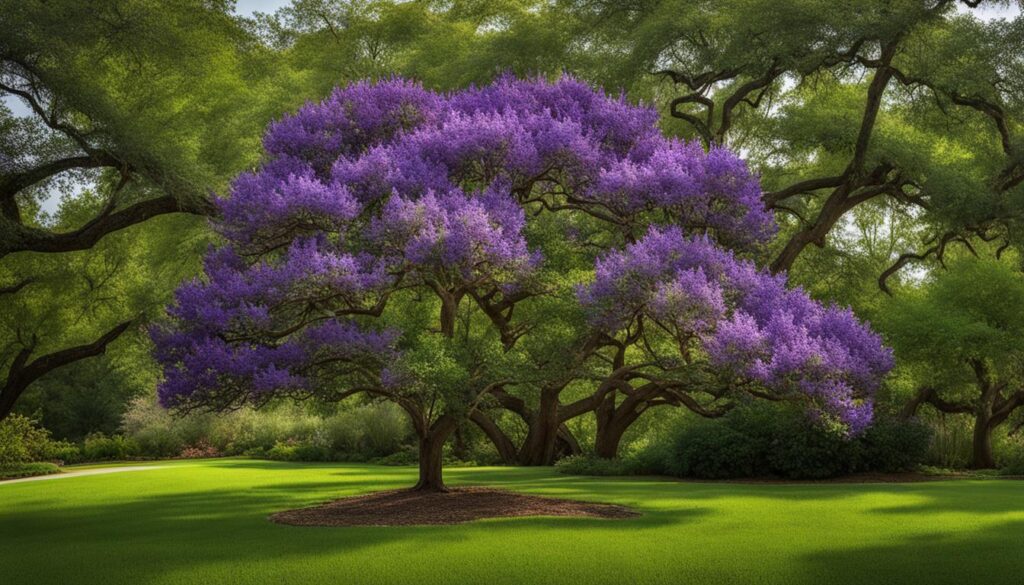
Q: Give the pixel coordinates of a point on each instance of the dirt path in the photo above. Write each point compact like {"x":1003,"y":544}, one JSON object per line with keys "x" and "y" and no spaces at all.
{"x":100,"y":471}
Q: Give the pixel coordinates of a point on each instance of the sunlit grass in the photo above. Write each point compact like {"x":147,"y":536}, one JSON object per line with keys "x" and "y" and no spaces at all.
{"x":201,"y":522}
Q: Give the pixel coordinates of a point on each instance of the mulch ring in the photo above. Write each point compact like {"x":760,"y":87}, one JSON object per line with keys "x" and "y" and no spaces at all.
{"x":458,"y":505}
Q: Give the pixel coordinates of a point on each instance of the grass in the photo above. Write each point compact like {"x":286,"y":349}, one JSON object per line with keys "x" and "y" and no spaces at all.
{"x":20,"y":470}
{"x":204,"y":522}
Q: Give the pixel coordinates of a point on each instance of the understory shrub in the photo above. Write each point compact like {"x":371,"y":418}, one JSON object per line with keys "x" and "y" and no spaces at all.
{"x":100,"y":447}
{"x":19,"y":470}
{"x":22,"y":440}
{"x":777,"y":440}
{"x":1011,"y":455}
{"x":952,"y":437}
{"x":360,"y":432}
{"x":593,"y":465}
{"x":891,"y":445}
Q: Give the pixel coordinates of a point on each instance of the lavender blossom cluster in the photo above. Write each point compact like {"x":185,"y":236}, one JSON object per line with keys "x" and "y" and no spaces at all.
{"x":742,"y":320}
{"x":387,"y":186}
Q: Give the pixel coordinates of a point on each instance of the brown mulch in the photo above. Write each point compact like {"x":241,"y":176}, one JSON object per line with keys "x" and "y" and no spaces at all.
{"x":458,"y":505}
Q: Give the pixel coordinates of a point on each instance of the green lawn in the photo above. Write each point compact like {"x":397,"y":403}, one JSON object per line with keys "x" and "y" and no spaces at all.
{"x":202,"y":522}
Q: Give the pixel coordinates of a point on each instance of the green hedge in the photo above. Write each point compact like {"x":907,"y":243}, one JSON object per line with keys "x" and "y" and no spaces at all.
{"x":766,"y":440}
{"x":20,"y":470}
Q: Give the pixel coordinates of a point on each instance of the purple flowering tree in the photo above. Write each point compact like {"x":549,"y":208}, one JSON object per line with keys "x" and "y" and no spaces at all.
{"x":489,"y":250}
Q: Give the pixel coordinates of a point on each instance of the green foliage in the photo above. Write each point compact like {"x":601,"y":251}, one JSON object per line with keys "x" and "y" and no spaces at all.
{"x":951,"y":443}
{"x":297,"y":451}
{"x":891,"y":446}
{"x":970,"y":311}
{"x":22,"y":440}
{"x":773,"y":440}
{"x":347,"y":432}
{"x":100,"y":447}
{"x":596,"y":466}
{"x":709,"y":450}
{"x":20,"y":470}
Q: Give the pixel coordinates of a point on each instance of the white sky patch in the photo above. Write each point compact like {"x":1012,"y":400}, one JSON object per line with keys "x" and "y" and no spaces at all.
{"x":992,"y":11}
{"x":250,"y":7}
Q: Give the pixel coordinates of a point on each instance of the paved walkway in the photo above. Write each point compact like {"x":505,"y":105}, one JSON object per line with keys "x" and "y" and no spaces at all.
{"x":100,"y":471}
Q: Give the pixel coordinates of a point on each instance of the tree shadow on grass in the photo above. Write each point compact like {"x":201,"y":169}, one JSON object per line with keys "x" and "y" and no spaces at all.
{"x":144,"y":537}
{"x":149,"y":536}
{"x":992,"y":555}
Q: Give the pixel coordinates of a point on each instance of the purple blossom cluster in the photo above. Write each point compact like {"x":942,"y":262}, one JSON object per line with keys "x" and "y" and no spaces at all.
{"x":464,"y":238}
{"x":387,"y":186}
{"x":742,"y":320}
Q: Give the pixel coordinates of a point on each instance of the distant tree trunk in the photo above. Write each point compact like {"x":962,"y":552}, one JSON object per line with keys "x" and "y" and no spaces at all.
{"x":542,"y":436}
{"x":612,"y":424}
{"x":502,"y":443}
{"x":460,"y":447}
{"x":981,"y":453}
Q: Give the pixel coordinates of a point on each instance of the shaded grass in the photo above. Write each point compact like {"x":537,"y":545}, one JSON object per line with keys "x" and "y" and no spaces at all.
{"x":200,"y":522}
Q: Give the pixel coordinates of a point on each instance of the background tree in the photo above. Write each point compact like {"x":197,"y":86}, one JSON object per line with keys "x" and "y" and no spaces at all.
{"x":959,"y":336}
{"x":118,"y":104}
{"x":864,"y":103}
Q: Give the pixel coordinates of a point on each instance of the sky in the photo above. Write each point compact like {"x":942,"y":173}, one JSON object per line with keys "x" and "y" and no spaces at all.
{"x":247,"y":7}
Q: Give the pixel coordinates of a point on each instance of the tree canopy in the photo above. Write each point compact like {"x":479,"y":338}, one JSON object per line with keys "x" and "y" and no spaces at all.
{"x":387,"y":201}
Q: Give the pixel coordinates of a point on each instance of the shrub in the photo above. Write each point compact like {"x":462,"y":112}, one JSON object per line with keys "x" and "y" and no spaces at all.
{"x":952,"y":441}
{"x":61,"y":452}
{"x":153,"y":429}
{"x":298,"y":451}
{"x":592,"y":465}
{"x":23,"y":441}
{"x":711,"y":450}
{"x":1011,"y":455}
{"x":200,"y":451}
{"x":19,"y":470}
{"x":407,"y":456}
{"x":802,"y":450}
{"x":777,"y":440}
{"x":99,"y":447}
{"x":891,"y":445}
{"x":357,"y":433}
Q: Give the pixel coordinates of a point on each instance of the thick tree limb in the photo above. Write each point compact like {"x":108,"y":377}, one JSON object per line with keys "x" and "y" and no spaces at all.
{"x":18,"y":238}
{"x":22,"y":372}
{"x":10,"y":290}
{"x":929,"y":395}
{"x":11,"y":184}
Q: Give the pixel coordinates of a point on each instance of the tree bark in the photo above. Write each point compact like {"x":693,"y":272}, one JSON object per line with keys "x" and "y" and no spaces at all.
{"x":503,"y":444}
{"x":612,"y":423}
{"x":431,"y":455}
{"x":542,"y":436}
{"x":981,"y":452}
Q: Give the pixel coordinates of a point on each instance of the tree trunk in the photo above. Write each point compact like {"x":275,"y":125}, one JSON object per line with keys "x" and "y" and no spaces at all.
{"x":606,"y":443}
{"x":431,"y":455}
{"x":981,"y":456}
{"x":611,"y":425}
{"x":539,"y":448}
{"x":502,"y":444}
{"x":431,"y":452}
